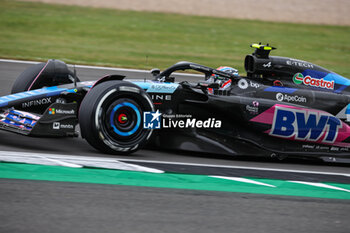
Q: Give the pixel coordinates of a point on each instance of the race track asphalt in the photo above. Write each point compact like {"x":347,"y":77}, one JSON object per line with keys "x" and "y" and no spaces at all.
{"x":38,"y":206}
{"x":43,"y":206}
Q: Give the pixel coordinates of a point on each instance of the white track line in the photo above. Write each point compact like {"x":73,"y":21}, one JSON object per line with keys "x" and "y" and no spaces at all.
{"x":104,"y":159}
{"x":100,"y":68}
{"x":320,"y":185}
{"x":19,"y":61}
{"x":244,"y":180}
{"x":237,"y":167}
{"x":72,"y":161}
{"x":60,"y":163}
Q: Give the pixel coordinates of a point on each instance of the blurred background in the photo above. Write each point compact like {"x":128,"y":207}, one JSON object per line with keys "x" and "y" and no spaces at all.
{"x":158,"y":33}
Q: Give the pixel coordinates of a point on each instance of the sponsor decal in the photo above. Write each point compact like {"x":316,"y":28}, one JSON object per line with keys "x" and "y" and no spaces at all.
{"x":163,"y":88}
{"x":155,"y":120}
{"x":322,"y":147}
{"x":290,"y":98}
{"x":58,"y":125}
{"x":66,"y":112}
{"x":255,"y":85}
{"x":244,"y":84}
{"x":279,"y":96}
{"x":67,"y":126}
{"x":38,"y":102}
{"x":151,"y":120}
{"x":254,"y":108}
{"x":298,"y":78}
{"x":313,"y":82}
{"x":267,"y":65}
{"x":299,"y":63}
{"x":302,"y":125}
{"x":191,"y":123}
{"x":160,"y":97}
{"x":333,"y":148}
{"x":318,"y":147}
{"x":60,"y":101}
{"x":308,"y":146}
{"x":53,"y":111}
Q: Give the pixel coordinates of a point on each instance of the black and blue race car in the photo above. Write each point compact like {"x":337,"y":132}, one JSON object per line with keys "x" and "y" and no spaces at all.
{"x":282,"y":107}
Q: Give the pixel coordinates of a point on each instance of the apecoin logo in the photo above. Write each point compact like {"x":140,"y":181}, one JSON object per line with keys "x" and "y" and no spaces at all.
{"x":279,"y":96}
{"x":290,"y":98}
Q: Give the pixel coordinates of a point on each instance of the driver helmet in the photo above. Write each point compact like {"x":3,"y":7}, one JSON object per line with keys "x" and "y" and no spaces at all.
{"x":224,"y":83}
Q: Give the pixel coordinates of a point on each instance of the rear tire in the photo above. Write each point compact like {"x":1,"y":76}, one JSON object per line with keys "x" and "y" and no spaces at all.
{"x":26,"y":78}
{"x":111,"y":117}
{"x":52,"y":73}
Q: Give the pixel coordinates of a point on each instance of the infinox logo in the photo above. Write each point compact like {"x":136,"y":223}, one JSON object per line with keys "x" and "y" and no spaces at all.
{"x":304,"y":125}
{"x":299,"y":78}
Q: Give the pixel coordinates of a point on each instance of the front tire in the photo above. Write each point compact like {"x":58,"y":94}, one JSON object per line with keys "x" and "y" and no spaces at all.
{"x":111,"y":117}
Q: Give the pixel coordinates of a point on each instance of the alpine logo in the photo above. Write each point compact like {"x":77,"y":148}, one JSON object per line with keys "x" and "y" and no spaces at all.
{"x":313,"y":82}
{"x":267,"y":65}
{"x":305,"y":125}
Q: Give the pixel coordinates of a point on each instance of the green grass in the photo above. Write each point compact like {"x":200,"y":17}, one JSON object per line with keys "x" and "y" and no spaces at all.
{"x":85,"y":35}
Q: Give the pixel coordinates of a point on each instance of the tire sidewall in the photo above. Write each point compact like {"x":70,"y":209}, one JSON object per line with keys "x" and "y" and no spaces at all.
{"x":94,"y":119}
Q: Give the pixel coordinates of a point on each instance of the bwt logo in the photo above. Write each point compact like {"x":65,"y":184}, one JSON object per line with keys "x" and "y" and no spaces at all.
{"x":304,"y":125}
{"x":152,"y":120}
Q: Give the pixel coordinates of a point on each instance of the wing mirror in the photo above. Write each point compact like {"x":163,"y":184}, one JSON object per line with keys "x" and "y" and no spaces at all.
{"x":155,"y":72}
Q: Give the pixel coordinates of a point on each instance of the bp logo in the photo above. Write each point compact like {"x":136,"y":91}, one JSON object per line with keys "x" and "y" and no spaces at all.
{"x":298,"y":78}
{"x":243,"y":84}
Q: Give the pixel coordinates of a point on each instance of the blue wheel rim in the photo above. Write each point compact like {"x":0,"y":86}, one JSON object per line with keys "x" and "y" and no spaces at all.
{"x":138,"y":123}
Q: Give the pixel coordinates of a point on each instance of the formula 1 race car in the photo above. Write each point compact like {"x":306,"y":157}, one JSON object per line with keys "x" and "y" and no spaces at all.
{"x":282,"y":107}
